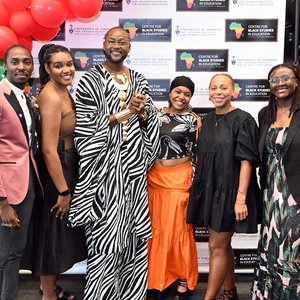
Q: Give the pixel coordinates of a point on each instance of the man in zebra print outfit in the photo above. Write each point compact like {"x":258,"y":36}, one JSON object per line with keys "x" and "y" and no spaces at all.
{"x":117,"y":140}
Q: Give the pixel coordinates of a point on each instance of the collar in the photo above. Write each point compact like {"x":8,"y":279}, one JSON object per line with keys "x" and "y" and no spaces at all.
{"x":15,"y":89}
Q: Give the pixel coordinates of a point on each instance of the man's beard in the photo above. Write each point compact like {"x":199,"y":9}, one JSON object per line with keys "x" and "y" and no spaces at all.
{"x":116,"y":61}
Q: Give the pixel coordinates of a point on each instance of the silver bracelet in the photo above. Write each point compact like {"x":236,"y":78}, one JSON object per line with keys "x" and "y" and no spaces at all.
{"x":123,"y":115}
{"x":242,"y":192}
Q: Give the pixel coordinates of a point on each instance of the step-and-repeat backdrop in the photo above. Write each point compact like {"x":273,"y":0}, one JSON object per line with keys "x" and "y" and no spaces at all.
{"x":195,"y":38}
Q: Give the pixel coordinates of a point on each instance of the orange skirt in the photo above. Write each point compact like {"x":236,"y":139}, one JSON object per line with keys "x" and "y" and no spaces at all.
{"x":172,"y":250}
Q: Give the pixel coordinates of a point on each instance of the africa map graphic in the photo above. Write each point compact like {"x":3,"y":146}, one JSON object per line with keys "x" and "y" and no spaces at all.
{"x":237,"y":27}
{"x":188,"y":59}
{"x":82,"y":57}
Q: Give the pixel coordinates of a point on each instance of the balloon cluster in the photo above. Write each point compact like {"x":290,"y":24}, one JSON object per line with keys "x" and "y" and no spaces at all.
{"x":22,"y":20}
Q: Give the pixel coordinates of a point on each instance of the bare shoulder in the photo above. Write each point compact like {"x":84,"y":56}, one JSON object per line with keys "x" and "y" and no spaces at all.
{"x":49,"y":97}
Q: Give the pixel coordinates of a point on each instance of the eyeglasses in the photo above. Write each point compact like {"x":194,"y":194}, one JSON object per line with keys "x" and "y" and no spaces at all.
{"x":120,"y":43}
{"x":284,"y":78}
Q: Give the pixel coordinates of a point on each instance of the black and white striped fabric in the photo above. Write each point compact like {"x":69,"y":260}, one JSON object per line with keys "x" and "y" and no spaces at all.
{"x":111,"y":195}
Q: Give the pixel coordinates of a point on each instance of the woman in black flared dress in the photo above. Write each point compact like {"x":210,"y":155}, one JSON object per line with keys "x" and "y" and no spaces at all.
{"x":57,"y":247}
{"x":225,"y":192}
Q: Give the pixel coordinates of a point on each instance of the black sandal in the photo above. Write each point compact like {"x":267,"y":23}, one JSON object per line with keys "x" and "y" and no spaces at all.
{"x":183,"y":296}
{"x":65,"y":295}
{"x":229,"y":295}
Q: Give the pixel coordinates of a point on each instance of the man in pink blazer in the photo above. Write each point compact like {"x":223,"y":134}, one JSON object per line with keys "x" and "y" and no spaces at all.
{"x":18,"y":174}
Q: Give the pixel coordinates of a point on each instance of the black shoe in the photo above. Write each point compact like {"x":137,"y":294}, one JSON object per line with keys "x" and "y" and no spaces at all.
{"x":159,"y":295}
{"x":185,"y":295}
{"x":229,"y":295}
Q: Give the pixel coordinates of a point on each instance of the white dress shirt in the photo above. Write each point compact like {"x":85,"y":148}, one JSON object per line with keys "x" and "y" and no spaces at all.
{"x":23,"y":103}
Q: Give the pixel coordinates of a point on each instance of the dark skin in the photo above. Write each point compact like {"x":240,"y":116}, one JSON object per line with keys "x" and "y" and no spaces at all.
{"x":284,"y":91}
{"x":19,"y":66}
{"x":55,"y":101}
{"x":115,"y":56}
{"x":221,"y":264}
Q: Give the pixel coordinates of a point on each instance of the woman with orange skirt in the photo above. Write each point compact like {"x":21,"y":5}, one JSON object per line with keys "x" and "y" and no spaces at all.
{"x":172,"y":249}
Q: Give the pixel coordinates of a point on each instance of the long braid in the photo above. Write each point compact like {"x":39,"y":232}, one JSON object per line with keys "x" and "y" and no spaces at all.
{"x":271,"y":110}
{"x":45,"y":58}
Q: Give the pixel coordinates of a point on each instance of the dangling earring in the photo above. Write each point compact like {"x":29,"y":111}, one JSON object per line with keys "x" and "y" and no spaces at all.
{"x":232,"y":98}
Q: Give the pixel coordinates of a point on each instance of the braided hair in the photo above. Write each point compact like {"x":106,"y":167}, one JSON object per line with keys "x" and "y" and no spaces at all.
{"x":271,"y":110}
{"x":44,"y":57}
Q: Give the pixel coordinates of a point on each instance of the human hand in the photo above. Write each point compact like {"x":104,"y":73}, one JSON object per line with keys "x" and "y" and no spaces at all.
{"x":136,"y":103}
{"x":8,"y":215}
{"x":240,"y":208}
{"x":63,"y":205}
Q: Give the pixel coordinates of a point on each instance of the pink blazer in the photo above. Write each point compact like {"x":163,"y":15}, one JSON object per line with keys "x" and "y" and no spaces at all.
{"x":15,"y":152}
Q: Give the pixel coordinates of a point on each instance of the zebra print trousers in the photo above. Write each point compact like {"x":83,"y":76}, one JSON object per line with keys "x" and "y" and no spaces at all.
{"x":117,"y":276}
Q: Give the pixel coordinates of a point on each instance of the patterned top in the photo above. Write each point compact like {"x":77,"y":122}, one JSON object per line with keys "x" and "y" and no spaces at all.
{"x":178,"y":134}
{"x":111,"y":193}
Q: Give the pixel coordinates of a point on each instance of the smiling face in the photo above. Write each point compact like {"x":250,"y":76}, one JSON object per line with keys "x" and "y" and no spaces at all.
{"x":19,"y":66}
{"x":284,"y":90}
{"x":116,"y":45}
{"x":180,"y":98}
{"x":221,"y":91}
{"x":61,"y":68}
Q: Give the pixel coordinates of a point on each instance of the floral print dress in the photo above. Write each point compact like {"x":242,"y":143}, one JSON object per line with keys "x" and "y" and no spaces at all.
{"x":276,"y":275}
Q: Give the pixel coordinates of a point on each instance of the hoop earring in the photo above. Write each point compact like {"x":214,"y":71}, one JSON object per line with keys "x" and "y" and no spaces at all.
{"x":189,"y":107}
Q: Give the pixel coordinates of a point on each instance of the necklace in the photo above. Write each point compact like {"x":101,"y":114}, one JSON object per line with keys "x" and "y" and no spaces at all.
{"x":120,"y":75}
{"x":122,"y":96}
{"x":218,"y":121}
{"x":66,"y":96}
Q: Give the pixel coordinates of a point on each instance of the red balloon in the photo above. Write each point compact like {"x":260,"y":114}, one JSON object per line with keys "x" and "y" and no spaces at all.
{"x":85,"y":8}
{"x":22,"y":23}
{"x":7,"y":39}
{"x":17,"y":4}
{"x":45,"y":34}
{"x":4,"y":14}
{"x":26,"y":42}
{"x":71,"y":16}
{"x":49,"y":13}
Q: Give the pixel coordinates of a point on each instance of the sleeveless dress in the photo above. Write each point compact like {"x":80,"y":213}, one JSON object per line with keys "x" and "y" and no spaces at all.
{"x":277,"y":273}
{"x":56,"y":246}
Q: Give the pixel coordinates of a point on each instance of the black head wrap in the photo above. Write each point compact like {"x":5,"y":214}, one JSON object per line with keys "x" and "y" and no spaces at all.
{"x":183,"y":81}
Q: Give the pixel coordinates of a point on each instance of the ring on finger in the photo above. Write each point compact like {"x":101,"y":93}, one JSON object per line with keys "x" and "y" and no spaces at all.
{"x":59,"y":209}
{"x":6,"y":225}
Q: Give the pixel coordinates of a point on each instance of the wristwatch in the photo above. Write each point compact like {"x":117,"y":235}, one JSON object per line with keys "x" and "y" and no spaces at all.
{"x":64,"y":193}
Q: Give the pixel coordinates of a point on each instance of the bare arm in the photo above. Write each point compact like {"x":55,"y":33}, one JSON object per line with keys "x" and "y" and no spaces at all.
{"x":240,"y":207}
{"x":51,"y":111}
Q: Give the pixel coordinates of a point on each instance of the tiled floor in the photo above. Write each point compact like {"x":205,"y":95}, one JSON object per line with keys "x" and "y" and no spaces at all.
{"x":29,"y":285}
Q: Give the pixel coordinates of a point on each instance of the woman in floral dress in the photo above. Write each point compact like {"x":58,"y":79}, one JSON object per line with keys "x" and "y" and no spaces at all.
{"x":276,"y":275}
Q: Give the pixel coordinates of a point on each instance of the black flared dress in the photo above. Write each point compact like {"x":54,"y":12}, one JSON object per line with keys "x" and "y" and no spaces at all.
{"x":221,"y":148}
{"x":56,"y":247}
